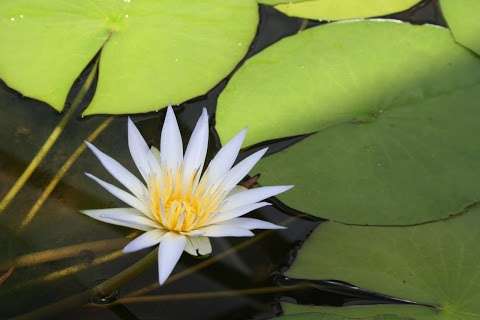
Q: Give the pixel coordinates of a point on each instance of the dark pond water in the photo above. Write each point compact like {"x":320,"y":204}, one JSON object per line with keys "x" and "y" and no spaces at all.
{"x":214,"y":291}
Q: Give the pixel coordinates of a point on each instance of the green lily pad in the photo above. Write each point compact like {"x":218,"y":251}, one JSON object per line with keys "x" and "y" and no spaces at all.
{"x":462,"y":18}
{"x":340,"y":9}
{"x":154,"y":53}
{"x":434,"y":264}
{"x":406,"y":165}
{"x":337,"y":72}
{"x":387,"y":312}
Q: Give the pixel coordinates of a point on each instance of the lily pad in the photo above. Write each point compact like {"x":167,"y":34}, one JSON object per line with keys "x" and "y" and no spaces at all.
{"x":406,"y":165}
{"x":387,"y":312}
{"x":435,"y":264}
{"x":462,"y":18}
{"x":340,"y":9}
{"x":154,"y":53}
{"x":337,"y":72}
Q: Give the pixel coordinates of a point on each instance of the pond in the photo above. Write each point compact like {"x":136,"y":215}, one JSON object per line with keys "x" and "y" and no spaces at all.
{"x":51,"y":255}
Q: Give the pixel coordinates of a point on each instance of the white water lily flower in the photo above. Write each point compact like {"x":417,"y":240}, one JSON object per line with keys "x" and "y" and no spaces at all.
{"x":177,"y":206}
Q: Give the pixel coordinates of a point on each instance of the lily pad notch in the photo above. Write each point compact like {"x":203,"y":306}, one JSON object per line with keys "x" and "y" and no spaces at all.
{"x":153,"y":53}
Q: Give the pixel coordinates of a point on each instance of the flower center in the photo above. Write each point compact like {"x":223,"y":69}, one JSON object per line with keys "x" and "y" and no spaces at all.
{"x":180,"y":210}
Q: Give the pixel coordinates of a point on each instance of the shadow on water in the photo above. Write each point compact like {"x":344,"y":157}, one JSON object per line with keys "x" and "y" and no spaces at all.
{"x":242,"y":279}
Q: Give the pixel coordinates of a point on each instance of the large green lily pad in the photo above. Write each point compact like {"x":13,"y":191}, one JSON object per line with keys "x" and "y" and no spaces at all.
{"x":407,"y":165}
{"x":336,"y":72}
{"x":154,"y":53}
{"x":433,"y":264}
{"x":462,"y":18}
{"x":387,"y":312}
{"x":340,"y":9}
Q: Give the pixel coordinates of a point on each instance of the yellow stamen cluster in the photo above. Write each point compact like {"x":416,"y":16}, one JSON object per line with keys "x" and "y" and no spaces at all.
{"x":181,"y":208}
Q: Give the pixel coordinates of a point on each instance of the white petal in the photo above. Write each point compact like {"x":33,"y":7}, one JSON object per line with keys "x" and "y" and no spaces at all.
{"x":224,"y":159}
{"x":196,"y":149}
{"x":231,"y":214}
{"x":219,"y":230}
{"x":240,"y":170}
{"x":125,"y":217}
{"x":140,"y":152}
{"x":243,"y":198}
{"x":146,"y":240}
{"x":250,"y":224}
{"x":198,"y":246}
{"x":156,"y":153}
{"x":171,"y":145}
{"x":169,"y":252}
{"x":237,"y":189}
{"x":119,"y":172}
{"x":120,"y":194}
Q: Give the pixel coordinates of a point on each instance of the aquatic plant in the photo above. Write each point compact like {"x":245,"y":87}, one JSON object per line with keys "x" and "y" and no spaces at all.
{"x":370,"y":108}
{"x":179,"y":207}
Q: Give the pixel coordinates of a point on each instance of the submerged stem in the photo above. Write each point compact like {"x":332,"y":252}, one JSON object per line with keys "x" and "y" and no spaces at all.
{"x":303,"y":26}
{"x":101,"y":290}
{"x":207,"y":294}
{"x":206,"y":263}
{"x":6,"y":275}
{"x":130,"y":273}
{"x":48,"y":144}
{"x":35,"y":258}
{"x":61,"y":173}
{"x":65,"y":272}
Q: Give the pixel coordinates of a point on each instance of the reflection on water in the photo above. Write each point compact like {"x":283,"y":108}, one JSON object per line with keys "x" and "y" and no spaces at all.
{"x":58,"y":252}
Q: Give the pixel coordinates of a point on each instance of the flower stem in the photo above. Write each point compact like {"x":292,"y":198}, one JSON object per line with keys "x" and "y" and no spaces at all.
{"x":49,"y":143}
{"x":101,"y":290}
